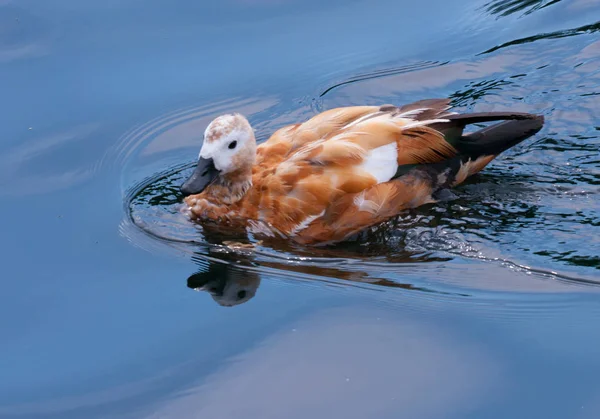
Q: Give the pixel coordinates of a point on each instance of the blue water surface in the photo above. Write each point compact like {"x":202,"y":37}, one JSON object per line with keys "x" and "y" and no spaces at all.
{"x":483,"y":306}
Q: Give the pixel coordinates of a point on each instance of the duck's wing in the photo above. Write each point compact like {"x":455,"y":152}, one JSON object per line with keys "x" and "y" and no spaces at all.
{"x":360,"y":147}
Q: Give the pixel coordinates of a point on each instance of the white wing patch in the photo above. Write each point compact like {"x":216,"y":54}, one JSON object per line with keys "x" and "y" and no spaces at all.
{"x":381,"y":162}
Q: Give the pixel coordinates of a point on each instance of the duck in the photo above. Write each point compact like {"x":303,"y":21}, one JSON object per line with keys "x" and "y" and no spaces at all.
{"x":344,"y":170}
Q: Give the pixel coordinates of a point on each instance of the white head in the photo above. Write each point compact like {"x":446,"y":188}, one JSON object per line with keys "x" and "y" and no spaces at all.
{"x":229,"y":141}
{"x":229,"y":147}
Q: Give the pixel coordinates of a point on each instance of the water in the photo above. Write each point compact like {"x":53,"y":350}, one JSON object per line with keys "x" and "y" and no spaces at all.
{"x":482,"y":306}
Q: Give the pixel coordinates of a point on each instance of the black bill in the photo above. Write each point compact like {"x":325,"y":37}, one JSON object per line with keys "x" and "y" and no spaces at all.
{"x":204,"y":173}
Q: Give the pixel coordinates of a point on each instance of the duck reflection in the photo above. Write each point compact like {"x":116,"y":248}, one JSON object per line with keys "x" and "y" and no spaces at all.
{"x":225,"y":267}
{"x":229,"y":273}
{"x":228,"y":285}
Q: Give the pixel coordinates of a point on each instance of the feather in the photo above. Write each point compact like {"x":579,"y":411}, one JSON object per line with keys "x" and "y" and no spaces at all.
{"x":334,"y":119}
{"x":339,"y":152}
{"x":423,"y":145}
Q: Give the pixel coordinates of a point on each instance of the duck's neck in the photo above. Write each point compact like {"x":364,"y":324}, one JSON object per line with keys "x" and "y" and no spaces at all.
{"x":230,"y":187}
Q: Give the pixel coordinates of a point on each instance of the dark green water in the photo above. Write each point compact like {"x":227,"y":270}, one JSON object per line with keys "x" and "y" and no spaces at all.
{"x":484,"y":306}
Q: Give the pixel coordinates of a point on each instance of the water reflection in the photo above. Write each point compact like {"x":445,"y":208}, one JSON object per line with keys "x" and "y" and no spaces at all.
{"x":231,"y":274}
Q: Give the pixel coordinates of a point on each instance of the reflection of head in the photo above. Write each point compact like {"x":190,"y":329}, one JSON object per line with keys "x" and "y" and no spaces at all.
{"x":228,"y":285}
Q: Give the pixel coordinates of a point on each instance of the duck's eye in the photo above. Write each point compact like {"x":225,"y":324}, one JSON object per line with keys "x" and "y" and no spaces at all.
{"x":241,"y":294}
{"x":232,"y":145}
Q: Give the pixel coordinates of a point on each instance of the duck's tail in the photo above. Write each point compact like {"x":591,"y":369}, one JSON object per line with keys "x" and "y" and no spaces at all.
{"x":494,"y":139}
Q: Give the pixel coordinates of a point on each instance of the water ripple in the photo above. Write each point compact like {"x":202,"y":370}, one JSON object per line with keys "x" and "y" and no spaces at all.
{"x":383,"y":73}
{"x":505,"y":8}
{"x":586,"y":29}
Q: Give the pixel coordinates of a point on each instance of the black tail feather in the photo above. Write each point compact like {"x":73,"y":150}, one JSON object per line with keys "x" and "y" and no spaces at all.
{"x":497,"y":138}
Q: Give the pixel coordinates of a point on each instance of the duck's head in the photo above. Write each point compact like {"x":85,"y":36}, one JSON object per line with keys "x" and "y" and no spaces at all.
{"x":228,"y":151}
